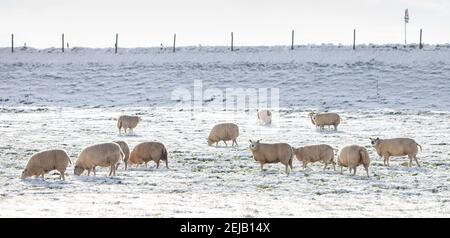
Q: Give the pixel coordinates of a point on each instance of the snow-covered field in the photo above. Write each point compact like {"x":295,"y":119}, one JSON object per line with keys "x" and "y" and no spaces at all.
{"x":71,"y":100}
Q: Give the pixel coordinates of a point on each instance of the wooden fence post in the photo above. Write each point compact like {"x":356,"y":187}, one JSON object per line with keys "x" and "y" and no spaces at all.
{"x":292,"y":43}
{"x":117,"y":40}
{"x":12,"y":43}
{"x":354,"y":39}
{"x":174,"y":41}
{"x":420,"y":43}
{"x":232,"y":41}
{"x":62,"y":46}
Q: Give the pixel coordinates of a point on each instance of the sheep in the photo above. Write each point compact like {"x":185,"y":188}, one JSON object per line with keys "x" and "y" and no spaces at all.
{"x":325,"y":119}
{"x":103,"y":155}
{"x":314,"y":153}
{"x":264,"y":117}
{"x":126,"y":150}
{"x":46,"y":161}
{"x":127,"y":122}
{"x":223,"y":132}
{"x":352,"y":156}
{"x":396,"y":147}
{"x":272,"y":153}
{"x":147,"y":151}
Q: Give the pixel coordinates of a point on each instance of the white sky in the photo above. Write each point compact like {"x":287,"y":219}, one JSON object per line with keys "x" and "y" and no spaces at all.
{"x":141,"y":23}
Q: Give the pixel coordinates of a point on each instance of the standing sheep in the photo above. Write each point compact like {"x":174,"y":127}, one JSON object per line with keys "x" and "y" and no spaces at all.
{"x":396,"y":147}
{"x":325,"y":119}
{"x":223,"y":132}
{"x":148,"y":151}
{"x":352,"y":156}
{"x":314,"y":153}
{"x":126,"y":151}
{"x":127,"y":122}
{"x":264,"y":117}
{"x":103,"y":155}
{"x":272,"y":153}
{"x":46,"y":161}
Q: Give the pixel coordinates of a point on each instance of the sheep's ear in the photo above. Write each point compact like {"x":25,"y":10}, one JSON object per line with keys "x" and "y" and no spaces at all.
{"x":378,"y":138}
{"x":250,"y":141}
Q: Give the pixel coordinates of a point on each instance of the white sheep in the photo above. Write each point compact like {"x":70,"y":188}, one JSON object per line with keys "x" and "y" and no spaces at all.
{"x":103,"y":155}
{"x":127,"y":122}
{"x":223,"y":132}
{"x":314,"y":153}
{"x":325,"y":119}
{"x":352,"y":156}
{"x":46,"y":161}
{"x":272,"y":153}
{"x":264,"y":117}
{"x":396,"y":147}
{"x":148,"y":151}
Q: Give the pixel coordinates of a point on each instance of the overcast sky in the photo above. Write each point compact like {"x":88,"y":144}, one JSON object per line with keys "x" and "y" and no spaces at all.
{"x":140,"y":23}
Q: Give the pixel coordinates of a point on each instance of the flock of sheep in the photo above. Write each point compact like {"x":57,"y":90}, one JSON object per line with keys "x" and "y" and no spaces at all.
{"x":112,"y":153}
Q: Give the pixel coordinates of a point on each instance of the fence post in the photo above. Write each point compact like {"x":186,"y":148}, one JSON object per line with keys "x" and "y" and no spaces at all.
{"x":12,"y":43}
{"x":232,"y":38}
{"x":292,"y":43}
{"x":420,"y":43}
{"x":174,"y":41}
{"x":117,"y":40}
{"x":354,"y":39}
{"x":62,"y":46}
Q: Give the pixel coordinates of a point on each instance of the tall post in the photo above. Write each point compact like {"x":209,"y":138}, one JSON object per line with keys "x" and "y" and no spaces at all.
{"x":12,"y":43}
{"x":405,"y":33}
{"x":174,"y":41}
{"x":420,"y":42}
{"x":62,"y":46}
{"x":117,"y":40}
{"x":292,"y":42}
{"x":354,"y":39}
{"x":232,"y":41}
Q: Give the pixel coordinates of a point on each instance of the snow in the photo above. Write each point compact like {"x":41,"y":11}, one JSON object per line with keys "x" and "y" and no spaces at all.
{"x":71,"y":100}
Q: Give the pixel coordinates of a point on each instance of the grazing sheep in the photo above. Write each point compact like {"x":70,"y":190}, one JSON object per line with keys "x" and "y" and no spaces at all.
{"x":103,"y":155}
{"x":223,"y":132}
{"x":126,"y":151}
{"x":314,"y":153}
{"x":127,"y":122}
{"x":396,"y":147}
{"x":352,"y":156}
{"x":272,"y":153}
{"x":147,"y":151}
{"x":325,"y":119}
{"x":46,"y":161}
{"x":264,"y":117}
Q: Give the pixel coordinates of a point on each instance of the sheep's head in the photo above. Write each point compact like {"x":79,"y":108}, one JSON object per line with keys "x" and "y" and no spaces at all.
{"x":210,"y":142}
{"x":254,"y":145}
{"x":25,"y":174}
{"x":78,"y":170}
{"x":311,"y":114}
{"x":374,"y":141}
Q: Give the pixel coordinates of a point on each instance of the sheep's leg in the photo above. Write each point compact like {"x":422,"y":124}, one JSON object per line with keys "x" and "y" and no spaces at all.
{"x":341,"y":169}
{"x":367,"y":170}
{"x":157,"y":164}
{"x":89,"y":171}
{"x":287,"y":169}
{"x":61,"y":175}
{"x":111,"y":168}
{"x":410,"y":160}
{"x":42,"y":175}
{"x":334,"y":166}
{"x":225,"y":143}
{"x":335,"y":127}
{"x":350,"y":170}
{"x":417,"y":162}
{"x":93,"y":170}
{"x":167,"y":164}
{"x":125,"y":130}
{"x":114,"y":173}
{"x":325,"y":167}
{"x":145,"y":164}
{"x":262,"y":167}
{"x":217,"y":143}
{"x":354,"y":171}
{"x":386,"y":159}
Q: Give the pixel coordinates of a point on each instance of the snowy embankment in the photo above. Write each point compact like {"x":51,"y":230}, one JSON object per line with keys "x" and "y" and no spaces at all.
{"x":71,"y":100}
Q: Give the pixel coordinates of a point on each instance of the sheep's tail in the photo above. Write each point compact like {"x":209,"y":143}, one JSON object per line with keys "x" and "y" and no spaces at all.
{"x":123,"y":154}
{"x":364,"y":156}
{"x":119,"y":123}
{"x":164,"y":154}
{"x":419,"y":146}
